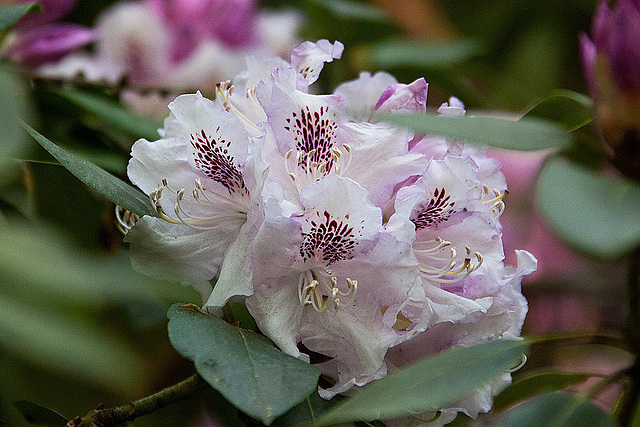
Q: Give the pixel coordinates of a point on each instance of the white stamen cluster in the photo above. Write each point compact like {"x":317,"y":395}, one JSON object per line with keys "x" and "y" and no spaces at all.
{"x":314,"y":291}
{"x":311,"y":171}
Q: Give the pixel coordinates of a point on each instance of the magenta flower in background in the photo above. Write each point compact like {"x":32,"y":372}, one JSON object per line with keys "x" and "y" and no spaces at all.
{"x":39,"y":40}
{"x":612,"y":70}
{"x":616,"y":38}
{"x":189,"y":23}
{"x":178,"y":45}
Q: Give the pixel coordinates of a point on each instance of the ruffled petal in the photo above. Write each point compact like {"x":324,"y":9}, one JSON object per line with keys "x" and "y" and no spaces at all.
{"x":176,"y":252}
{"x":236,"y":271}
{"x":309,"y":57}
{"x":402,"y":97}
{"x":355,"y":337}
{"x":379,"y":158}
{"x":362,"y":94}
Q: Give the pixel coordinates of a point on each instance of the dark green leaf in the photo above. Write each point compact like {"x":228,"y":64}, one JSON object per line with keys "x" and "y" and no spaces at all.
{"x":14,"y":105}
{"x":103,"y":182}
{"x":569,"y":109}
{"x":429,"y":55}
{"x":537,"y":383}
{"x":36,"y":414}
{"x":352,"y":10}
{"x":349,"y":21}
{"x":430,"y":384}
{"x":595,"y":213}
{"x":308,"y":411}
{"x":526,"y":134}
{"x":245,"y":367}
{"x":113,"y":113}
{"x":557,"y":410}
{"x":9,"y":15}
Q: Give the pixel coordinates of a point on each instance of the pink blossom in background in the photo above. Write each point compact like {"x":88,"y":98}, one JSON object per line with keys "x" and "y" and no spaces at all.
{"x":232,"y":22}
{"x":523,"y":226}
{"x":39,"y":40}
{"x":179,"y":45}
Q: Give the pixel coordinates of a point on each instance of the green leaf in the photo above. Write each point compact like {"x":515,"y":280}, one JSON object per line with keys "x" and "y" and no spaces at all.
{"x":525,"y":134}
{"x":113,"y":113}
{"x":352,"y":10}
{"x":103,"y":182}
{"x":36,"y":414}
{"x":595,"y":213}
{"x":14,"y":105}
{"x":68,"y":346}
{"x":540,"y":382}
{"x":308,"y":411}
{"x":9,"y":15}
{"x":569,"y":109}
{"x":39,"y":264}
{"x":557,"y":410}
{"x":429,"y":55}
{"x":349,"y":21}
{"x":245,"y":367}
{"x":430,"y":384}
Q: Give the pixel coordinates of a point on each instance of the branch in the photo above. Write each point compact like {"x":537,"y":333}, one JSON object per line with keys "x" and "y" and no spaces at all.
{"x":629,"y":405}
{"x":144,"y":406}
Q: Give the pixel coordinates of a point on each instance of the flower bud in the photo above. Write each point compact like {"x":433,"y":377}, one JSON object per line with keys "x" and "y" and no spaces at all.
{"x":612,"y":70}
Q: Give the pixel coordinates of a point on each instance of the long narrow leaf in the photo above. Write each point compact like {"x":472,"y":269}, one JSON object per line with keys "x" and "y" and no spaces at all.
{"x":593,"y":212}
{"x":430,"y":384}
{"x":103,"y":182}
{"x":525,"y":134}
{"x":402,"y":53}
{"x":114,"y":114}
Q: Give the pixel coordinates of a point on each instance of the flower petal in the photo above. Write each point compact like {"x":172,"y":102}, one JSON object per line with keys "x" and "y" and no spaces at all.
{"x":219,"y":143}
{"x":176,"y":252}
{"x":309,"y":57}
{"x":50,"y":43}
{"x":402,"y":97}
{"x":363,"y":93}
{"x":380,"y":158}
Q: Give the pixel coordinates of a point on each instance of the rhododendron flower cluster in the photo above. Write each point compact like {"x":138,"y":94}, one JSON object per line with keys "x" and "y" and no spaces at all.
{"x":346,"y":237}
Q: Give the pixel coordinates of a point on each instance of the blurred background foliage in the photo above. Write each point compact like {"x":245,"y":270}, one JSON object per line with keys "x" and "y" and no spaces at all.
{"x":79,"y":327}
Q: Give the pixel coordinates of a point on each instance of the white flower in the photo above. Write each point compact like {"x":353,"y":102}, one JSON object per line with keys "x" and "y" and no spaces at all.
{"x":195,"y":176}
{"x":355,"y":244}
{"x":331,"y":279}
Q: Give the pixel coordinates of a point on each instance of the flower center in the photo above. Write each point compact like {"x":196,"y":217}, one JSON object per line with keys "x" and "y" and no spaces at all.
{"x":224,"y":91}
{"x":320,"y":291}
{"x":211,"y":155}
{"x":332,"y":240}
{"x":313,"y":171}
{"x":438,"y":210}
{"x":496,"y":202}
{"x":314,"y":134}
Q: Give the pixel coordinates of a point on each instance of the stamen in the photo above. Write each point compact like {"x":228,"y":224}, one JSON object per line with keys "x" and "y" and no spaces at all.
{"x":311,"y":168}
{"x":125,"y":219}
{"x":185,"y":218}
{"x":224,"y":90}
{"x":452,"y":268}
{"x":317,"y":291}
